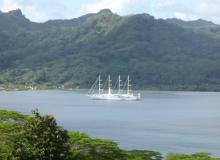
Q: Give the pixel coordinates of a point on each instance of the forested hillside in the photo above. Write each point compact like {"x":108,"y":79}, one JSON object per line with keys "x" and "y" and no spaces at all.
{"x":157,"y":53}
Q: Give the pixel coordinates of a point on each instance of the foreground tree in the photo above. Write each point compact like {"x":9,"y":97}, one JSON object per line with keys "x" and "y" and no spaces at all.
{"x":85,"y":148}
{"x":10,"y":125}
{"x":143,"y":155}
{"x":41,"y":139}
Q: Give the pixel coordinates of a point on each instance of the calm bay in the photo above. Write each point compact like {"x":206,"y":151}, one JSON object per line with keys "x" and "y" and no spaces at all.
{"x":182,"y":122}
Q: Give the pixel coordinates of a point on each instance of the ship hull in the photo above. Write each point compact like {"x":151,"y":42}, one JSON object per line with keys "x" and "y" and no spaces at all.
{"x":120,"y":97}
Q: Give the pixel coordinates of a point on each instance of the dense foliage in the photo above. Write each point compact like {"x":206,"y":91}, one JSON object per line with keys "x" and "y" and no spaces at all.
{"x":10,"y":126}
{"x":196,"y":156}
{"x":41,"y":139}
{"x":38,"y":137}
{"x":165,"y":54}
{"x":85,"y":148}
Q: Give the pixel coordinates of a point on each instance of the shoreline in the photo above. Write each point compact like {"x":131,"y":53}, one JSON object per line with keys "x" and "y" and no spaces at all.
{"x":174,"y":89}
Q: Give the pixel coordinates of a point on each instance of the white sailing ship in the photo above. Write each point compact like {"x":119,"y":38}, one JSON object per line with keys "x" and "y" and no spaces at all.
{"x":111,"y":94}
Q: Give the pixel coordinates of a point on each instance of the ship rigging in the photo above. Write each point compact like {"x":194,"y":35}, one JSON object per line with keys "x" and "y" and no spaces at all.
{"x":112,"y":93}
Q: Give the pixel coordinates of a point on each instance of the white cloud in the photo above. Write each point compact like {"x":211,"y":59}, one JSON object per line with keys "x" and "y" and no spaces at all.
{"x":37,"y":11}
{"x":115,"y":5}
{"x":188,"y":9}
{"x":165,"y":3}
{"x":185,"y":16}
{"x":180,"y":15}
{"x":208,"y":8}
{"x":42,"y":10}
{"x":30,"y":10}
{"x":7,"y":5}
{"x":35,"y":14}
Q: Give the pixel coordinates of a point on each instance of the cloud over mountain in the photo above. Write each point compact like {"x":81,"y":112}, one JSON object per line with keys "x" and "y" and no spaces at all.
{"x":42,"y":10}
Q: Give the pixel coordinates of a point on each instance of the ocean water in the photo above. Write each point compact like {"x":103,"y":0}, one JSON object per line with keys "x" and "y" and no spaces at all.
{"x":183,"y":122}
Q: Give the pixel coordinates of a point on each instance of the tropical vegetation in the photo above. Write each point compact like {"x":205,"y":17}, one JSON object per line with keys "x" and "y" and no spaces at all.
{"x":157,"y":53}
{"x":39,"y":137}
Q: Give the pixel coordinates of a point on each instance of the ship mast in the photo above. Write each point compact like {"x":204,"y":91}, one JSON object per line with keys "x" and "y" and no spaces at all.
{"x":128,"y":86}
{"x":109,"y":84}
{"x":99,"y":84}
{"x":119,"y":84}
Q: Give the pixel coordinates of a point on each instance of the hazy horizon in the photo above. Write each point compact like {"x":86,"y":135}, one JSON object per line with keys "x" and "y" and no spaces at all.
{"x":41,"y":11}
{"x":112,"y":12}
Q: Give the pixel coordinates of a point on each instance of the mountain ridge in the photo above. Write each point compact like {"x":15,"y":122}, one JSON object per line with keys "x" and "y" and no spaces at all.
{"x":155,"y":52}
{"x":19,"y":12}
{"x":193,"y":23}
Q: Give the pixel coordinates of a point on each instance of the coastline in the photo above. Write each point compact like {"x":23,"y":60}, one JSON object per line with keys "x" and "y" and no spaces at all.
{"x":191,"y":88}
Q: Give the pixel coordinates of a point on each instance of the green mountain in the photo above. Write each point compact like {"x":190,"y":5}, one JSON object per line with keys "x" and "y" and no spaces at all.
{"x":202,"y":26}
{"x":157,"y":53}
{"x":200,"y":23}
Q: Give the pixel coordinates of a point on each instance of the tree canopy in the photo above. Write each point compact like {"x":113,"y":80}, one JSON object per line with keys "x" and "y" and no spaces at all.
{"x":41,"y":138}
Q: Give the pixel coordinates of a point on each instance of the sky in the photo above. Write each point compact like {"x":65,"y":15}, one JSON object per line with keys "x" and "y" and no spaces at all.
{"x":43,"y":10}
